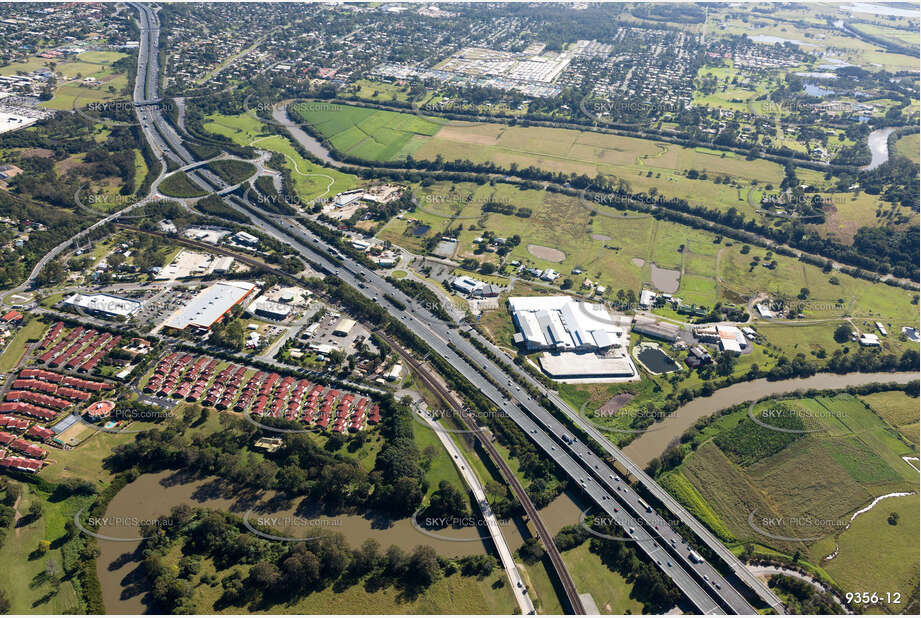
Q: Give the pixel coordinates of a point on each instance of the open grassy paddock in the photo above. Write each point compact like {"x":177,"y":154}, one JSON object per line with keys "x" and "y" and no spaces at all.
{"x":813,"y":485}
{"x":311,"y":181}
{"x":619,"y":252}
{"x":909,"y":145}
{"x":642,"y":164}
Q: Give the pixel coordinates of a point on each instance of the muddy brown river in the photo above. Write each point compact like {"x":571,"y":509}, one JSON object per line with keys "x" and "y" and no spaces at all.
{"x":658,"y":437}
{"x":152,"y":496}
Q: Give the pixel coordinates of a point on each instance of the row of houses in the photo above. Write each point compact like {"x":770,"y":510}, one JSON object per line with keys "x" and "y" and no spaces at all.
{"x":20,"y":445}
{"x":80,"y":350}
{"x":45,"y":394}
{"x":268,"y":394}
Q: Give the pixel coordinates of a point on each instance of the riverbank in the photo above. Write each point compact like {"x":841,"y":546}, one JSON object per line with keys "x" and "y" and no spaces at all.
{"x":660,"y":435}
{"x":152,"y":496}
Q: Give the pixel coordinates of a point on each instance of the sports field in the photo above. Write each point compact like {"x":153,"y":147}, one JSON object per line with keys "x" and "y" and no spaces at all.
{"x":802,"y":496}
{"x":371,"y":134}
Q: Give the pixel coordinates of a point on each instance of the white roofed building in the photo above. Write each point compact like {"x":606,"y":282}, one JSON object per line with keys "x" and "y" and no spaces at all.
{"x":210,"y":305}
{"x":104,"y":304}
{"x":564,"y":323}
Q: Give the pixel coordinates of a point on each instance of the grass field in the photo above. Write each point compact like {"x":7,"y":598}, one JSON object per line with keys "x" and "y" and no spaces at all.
{"x":85,"y":461}
{"x":876,"y":555}
{"x":618,"y":252}
{"x":372,"y":134}
{"x":31,"y":331}
{"x":29,"y":576}
{"x":179,"y":185}
{"x":899,"y":410}
{"x":610,"y":591}
{"x":311,"y":181}
{"x":442,"y":467}
{"x":813,"y":485}
{"x":449,"y":595}
{"x":643,"y":164}
{"x":232,"y":171}
{"x":908,"y":146}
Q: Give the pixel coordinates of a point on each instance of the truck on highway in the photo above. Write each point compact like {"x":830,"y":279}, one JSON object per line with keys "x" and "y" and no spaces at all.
{"x":695,"y":557}
{"x":566,"y":438}
{"x":645,"y":506}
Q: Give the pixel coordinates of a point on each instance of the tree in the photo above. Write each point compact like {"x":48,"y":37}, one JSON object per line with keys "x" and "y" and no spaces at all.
{"x":842,"y":333}
{"x":532,"y":551}
{"x":423,"y":569}
{"x":35,"y":511}
{"x":447,"y":501}
{"x":893,"y":518}
{"x":803,"y":293}
{"x":264,"y":576}
{"x":725,"y":363}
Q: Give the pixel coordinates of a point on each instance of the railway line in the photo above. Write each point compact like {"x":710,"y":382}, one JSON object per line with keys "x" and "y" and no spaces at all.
{"x":699,"y":582}
{"x":457,"y":407}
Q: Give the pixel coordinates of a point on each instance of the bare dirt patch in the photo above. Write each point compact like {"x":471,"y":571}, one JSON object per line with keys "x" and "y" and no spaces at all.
{"x":638,"y":262}
{"x":43,"y":153}
{"x":615,"y":403}
{"x":546,"y":253}
{"x":600,"y":237}
{"x":666,"y":280}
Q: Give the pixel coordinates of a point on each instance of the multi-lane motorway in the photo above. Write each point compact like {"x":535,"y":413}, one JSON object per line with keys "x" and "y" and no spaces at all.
{"x":703,"y":585}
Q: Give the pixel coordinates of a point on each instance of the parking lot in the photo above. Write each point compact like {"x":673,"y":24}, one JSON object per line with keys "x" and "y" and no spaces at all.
{"x":162,"y":305}
{"x":323,"y":335}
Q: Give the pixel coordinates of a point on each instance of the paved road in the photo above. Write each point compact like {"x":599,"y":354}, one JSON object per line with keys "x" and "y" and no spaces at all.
{"x":440,"y":337}
{"x":699,"y":582}
{"x":292,"y":330}
{"x":505,"y":555}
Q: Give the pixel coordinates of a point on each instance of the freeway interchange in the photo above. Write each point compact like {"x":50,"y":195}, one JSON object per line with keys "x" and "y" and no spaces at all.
{"x":615,"y":500}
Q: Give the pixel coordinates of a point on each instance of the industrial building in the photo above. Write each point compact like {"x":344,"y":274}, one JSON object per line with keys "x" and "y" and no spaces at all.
{"x":245,"y":238}
{"x":729,"y":338}
{"x":343,"y":328}
{"x":588,"y":367}
{"x":472,"y":287}
{"x":564,"y":323}
{"x":210,"y":305}
{"x":272,"y":310}
{"x":104,"y":305}
{"x":656,"y":330}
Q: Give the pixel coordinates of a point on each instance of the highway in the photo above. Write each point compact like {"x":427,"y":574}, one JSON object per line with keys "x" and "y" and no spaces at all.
{"x":674,"y":507}
{"x":700,"y":582}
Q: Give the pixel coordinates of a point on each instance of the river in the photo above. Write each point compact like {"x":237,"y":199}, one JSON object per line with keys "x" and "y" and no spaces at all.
{"x":660,"y":435}
{"x":152,"y":496}
{"x":878,"y":141}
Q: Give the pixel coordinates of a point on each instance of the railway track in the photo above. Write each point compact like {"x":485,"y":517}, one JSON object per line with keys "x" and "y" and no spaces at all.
{"x":556,"y":559}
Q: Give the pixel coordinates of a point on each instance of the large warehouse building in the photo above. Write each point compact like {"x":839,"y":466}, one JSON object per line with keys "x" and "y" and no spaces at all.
{"x":104,"y":305}
{"x":211,"y":305}
{"x":563,"y":323}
